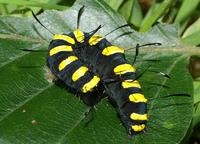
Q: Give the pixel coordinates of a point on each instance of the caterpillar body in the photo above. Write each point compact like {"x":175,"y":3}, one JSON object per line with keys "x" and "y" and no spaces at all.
{"x":65,"y":60}
{"x":85,"y":61}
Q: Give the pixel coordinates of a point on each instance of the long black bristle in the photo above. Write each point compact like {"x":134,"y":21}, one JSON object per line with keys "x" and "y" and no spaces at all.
{"x":136,"y":53}
{"x":80,"y":12}
{"x":121,"y":35}
{"x":30,"y":50}
{"x":125,"y":25}
{"x":41,"y":23}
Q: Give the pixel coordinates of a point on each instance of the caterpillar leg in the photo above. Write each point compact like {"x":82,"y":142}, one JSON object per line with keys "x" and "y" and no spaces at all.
{"x":89,"y":117}
{"x":93,"y":97}
{"x":49,"y":75}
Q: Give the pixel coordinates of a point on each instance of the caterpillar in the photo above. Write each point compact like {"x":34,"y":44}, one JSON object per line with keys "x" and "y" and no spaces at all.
{"x":66,"y":61}
{"x":86,"y":62}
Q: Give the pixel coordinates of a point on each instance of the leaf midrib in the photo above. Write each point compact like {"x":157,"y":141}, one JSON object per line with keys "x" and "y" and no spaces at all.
{"x":26,"y":101}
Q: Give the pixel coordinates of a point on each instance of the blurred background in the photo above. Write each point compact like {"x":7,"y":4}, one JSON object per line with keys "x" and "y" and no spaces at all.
{"x":142,"y":14}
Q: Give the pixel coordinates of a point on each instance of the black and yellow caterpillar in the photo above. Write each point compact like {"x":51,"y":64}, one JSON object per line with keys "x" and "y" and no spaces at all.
{"x":85,"y":61}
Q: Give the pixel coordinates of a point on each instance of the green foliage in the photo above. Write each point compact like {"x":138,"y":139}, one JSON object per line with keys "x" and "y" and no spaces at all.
{"x":196,"y":119}
{"x":154,"y":14}
{"x":34,"y":4}
{"x":24,"y":7}
{"x":192,"y":34}
{"x":132,"y":12}
{"x":186,"y":10}
{"x":33,"y":110}
{"x":114,"y":3}
{"x":183,"y":12}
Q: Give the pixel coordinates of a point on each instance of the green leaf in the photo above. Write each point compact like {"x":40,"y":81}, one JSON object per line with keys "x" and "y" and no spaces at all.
{"x":192,"y":34}
{"x":115,"y":4}
{"x":192,"y":28}
{"x":132,"y":12}
{"x":196,"y":92}
{"x":24,"y":8}
{"x":33,"y":3}
{"x":3,"y":9}
{"x":193,"y":39}
{"x":196,"y":116}
{"x":34,"y":110}
{"x":154,"y":14}
{"x":187,"y":8}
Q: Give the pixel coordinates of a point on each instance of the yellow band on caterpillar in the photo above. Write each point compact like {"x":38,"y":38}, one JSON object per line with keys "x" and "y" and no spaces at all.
{"x":124,"y":68}
{"x":95,"y":39}
{"x":61,"y":48}
{"x":128,"y":84}
{"x":138,"y":128}
{"x":79,"y":35}
{"x":135,"y":116}
{"x":79,"y":73}
{"x":112,"y":50}
{"x":137,"y":97}
{"x":66,"y":62}
{"x":91,"y":84}
{"x":65,"y":38}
